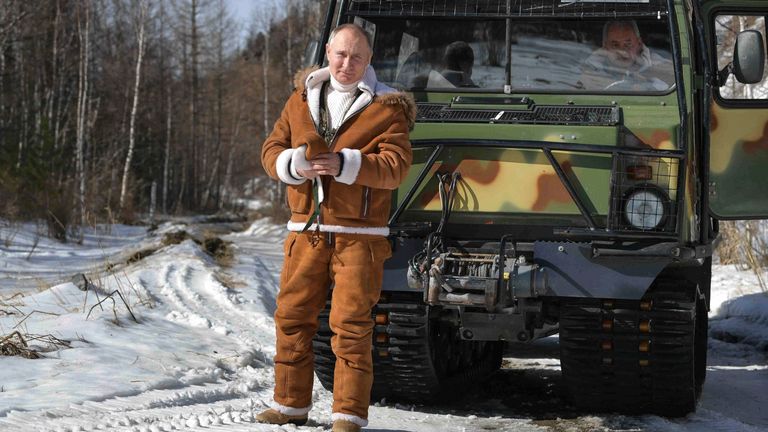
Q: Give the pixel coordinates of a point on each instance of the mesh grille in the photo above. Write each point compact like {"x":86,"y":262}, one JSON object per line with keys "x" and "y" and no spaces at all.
{"x":505,"y":8}
{"x":645,"y":194}
{"x":540,"y":114}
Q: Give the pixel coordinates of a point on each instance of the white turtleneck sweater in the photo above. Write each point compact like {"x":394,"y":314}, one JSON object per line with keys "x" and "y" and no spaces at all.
{"x":339,"y":97}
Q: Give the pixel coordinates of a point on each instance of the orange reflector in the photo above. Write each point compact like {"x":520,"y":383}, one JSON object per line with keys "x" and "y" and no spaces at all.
{"x":606,"y":345}
{"x":639,"y":172}
{"x":382,"y":338}
{"x":645,"y":326}
{"x":645,"y":346}
{"x":646,"y":305}
{"x":382,"y":318}
{"x":644,"y":363}
{"x":607,"y":325}
{"x":383,"y":353}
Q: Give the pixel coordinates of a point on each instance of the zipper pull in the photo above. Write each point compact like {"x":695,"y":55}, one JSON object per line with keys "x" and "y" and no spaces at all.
{"x":315,"y":238}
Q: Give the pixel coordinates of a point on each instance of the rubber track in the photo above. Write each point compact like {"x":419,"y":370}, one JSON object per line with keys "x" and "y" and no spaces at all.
{"x":403,"y":367}
{"x":610,"y":364}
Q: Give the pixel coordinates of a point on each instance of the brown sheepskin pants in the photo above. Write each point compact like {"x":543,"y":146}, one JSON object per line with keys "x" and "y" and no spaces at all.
{"x":354,"y":264}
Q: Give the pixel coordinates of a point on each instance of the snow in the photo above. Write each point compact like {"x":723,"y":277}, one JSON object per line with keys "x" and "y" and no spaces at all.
{"x":199,"y":356}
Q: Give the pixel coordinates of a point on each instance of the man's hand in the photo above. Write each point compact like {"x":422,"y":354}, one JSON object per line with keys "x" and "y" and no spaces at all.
{"x":323,"y":164}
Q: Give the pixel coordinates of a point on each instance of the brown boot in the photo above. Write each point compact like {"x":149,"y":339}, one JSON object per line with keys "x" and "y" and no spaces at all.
{"x":345,"y":426}
{"x":277,"y":418}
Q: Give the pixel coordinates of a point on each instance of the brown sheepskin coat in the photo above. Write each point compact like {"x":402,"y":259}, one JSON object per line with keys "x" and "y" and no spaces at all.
{"x":373,"y":141}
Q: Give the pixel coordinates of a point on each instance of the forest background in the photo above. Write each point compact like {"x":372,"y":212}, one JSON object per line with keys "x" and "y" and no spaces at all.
{"x":114,"y":110}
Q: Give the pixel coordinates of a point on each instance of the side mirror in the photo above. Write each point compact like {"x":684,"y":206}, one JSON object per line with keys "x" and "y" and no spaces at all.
{"x":749,"y":57}
{"x":311,"y":53}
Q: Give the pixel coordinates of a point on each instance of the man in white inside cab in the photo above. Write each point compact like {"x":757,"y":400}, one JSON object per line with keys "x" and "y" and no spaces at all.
{"x":625,"y":63}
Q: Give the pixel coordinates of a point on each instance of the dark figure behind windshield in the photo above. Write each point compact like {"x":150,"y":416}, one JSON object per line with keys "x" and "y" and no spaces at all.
{"x":625,"y":63}
{"x":457,"y":67}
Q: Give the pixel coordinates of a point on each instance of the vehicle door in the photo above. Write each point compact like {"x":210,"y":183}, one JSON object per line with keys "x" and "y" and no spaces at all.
{"x":738,"y":127}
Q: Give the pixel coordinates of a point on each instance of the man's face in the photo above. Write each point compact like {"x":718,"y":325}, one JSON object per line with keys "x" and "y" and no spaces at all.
{"x":348,"y":56}
{"x":623,"y":44}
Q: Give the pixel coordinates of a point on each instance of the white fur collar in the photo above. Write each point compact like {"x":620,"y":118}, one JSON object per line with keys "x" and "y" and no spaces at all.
{"x":369,"y":87}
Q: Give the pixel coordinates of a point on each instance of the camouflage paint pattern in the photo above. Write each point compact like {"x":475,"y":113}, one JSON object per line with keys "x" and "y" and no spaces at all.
{"x":738,"y":161}
{"x":522,"y":181}
{"x":738,"y":147}
{"x":514,"y":181}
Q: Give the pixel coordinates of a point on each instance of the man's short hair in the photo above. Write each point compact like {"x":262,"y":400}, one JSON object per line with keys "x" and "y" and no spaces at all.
{"x":354,"y":27}
{"x":621,"y":24}
{"x":457,"y":54}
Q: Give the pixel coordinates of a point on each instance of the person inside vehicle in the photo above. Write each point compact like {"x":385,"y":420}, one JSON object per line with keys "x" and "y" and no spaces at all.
{"x":624,"y":62}
{"x":457,"y":67}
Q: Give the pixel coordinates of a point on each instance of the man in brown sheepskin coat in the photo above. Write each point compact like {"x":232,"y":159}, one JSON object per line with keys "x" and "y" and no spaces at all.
{"x":341,"y":145}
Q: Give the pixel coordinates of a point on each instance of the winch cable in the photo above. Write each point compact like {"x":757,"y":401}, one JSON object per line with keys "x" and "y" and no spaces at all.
{"x":447,"y":197}
{"x":422,"y":262}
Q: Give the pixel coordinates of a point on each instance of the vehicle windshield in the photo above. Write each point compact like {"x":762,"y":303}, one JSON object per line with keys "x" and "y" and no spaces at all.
{"x":594,"y":55}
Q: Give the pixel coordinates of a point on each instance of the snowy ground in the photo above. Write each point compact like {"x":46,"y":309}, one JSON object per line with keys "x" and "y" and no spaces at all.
{"x":199,"y":355}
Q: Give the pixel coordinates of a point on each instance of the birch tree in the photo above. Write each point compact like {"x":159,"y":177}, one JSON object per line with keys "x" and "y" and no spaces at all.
{"x":84,"y":30}
{"x":264,"y":19}
{"x":222,"y":32}
{"x":141,"y":25}
{"x":165,"y":80}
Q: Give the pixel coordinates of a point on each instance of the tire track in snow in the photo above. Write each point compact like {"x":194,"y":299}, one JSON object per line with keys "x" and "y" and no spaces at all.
{"x":204,"y":301}
{"x":231,"y":406}
{"x":180,"y":310}
{"x":260,"y":262}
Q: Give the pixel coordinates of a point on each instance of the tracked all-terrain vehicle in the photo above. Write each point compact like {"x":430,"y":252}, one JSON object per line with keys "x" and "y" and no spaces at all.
{"x":547,"y":196}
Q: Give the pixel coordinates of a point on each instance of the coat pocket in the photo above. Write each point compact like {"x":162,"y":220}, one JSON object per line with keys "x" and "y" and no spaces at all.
{"x":289,"y":242}
{"x":381,"y":249}
{"x":299,"y":197}
{"x":349,"y":201}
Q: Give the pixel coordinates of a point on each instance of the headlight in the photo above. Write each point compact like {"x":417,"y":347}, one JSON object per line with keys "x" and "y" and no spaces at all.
{"x":645,"y":208}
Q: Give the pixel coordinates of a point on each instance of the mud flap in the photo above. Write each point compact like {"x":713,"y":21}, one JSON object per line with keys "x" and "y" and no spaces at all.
{"x":571,"y":270}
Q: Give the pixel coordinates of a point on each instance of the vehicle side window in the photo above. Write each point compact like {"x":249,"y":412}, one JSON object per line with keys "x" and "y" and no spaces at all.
{"x":727,"y":28}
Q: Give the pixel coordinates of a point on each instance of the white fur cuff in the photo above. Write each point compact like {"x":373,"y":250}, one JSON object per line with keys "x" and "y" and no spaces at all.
{"x":352,"y":161}
{"x":285,"y":169}
{"x":349,"y":417}
{"x":289,"y":410}
{"x":299,"y":158}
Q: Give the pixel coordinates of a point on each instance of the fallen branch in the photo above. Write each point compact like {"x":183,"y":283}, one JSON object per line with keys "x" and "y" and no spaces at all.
{"x":113,"y":305}
{"x":34,"y":246}
{"x":30,"y":314}
{"x":49,"y":339}
{"x":18,"y":294}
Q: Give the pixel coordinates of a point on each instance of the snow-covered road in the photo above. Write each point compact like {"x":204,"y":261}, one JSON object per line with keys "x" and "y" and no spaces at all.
{"x":199,"y":357}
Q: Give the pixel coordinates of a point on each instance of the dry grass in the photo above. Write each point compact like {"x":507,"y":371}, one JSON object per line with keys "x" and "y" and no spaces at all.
{"x":17,"y":344}
{"x":140,"y":255}
{"x":228,"y":281}
{"x":175,"y":237}
{"x":745,"y":244}
{"x":220,"y":250}
{"x":213,"y":245}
